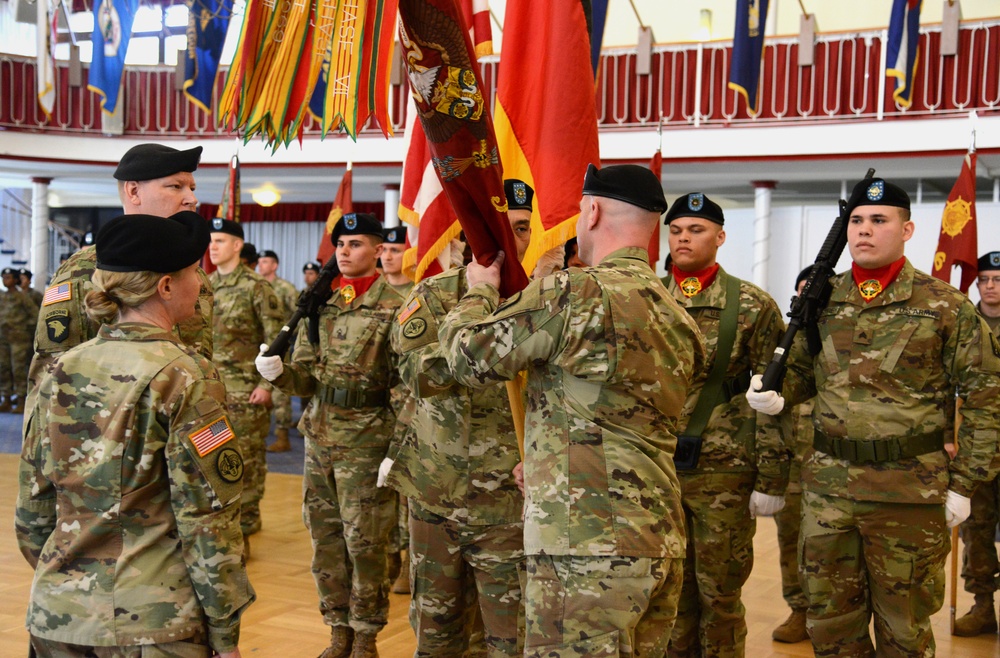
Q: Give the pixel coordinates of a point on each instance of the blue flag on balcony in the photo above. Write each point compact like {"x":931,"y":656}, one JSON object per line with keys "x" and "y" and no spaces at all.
{"x":208,"y":22}
{"x":902,"y":54}
{"x":748,"y":46}
{"x":112,"y":30}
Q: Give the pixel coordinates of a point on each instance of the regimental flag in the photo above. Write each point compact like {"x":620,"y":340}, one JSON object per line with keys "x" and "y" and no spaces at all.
{"x":112,"y":31}
{"x":957,"y":244}
{"x":477,"y":17}
{"x":748,"y":47}
{"x":230,"y":206}
{"x":656,"y":166}
{"x":448,"y":91}
{"x":902,"y":47}
{"x":342,"y":203}
{"x":208,"y":22}
{"x":211,"y":436}
{"x":545,"y":115}
{"x":45,"y":71}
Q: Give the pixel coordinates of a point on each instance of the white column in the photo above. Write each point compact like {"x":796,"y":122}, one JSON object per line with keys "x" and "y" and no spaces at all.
{"x":39,"y":257}
{"x":761,"y":230}
{"x":391,"y":206}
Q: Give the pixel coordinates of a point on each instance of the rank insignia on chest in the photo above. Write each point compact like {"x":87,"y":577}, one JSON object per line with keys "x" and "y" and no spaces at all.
{"x":870,"y":289}
{"x":347,"y":293}
{"x":690,"y":286}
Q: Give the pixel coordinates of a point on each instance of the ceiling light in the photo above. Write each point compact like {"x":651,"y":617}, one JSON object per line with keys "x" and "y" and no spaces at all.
{"x":266,"y":197}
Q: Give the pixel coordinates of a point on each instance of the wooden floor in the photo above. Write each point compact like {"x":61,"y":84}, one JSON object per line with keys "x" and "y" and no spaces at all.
{"x":285,"y":621}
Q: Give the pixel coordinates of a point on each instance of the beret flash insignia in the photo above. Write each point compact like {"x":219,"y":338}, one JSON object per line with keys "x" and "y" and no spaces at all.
{"x":351,"y":221}
{"x":995,"y":258}
{"x":520,"y":193}
{"x":217,"y":223}
{"x":876,"y":190}
{"x":696,"y":201}
{"x":391,"y":236}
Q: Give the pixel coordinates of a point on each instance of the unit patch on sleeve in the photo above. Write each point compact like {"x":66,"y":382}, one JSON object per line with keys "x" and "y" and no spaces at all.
{"x":230,"y":465}
{"x":57,"y":325}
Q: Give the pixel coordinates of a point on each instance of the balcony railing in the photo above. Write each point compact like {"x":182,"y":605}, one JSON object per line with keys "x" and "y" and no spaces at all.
{"x":686,"y":87}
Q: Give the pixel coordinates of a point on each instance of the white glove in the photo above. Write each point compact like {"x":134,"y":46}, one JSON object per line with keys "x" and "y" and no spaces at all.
{"x":764,"y":505}
{"x":269,"y":367}
{"x":768,"y":402}
{"x":957,"y":508}
{"x":383,"y":471}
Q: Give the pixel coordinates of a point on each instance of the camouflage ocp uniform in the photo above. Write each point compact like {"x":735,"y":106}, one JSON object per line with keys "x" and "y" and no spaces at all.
{"x":455,"y":467}
{"x":347,"y":428}
{"x":16,"y":312}
{"x":246,"y":314}
{"x":289,"y":297}
{"x":873,"y":537}
{"x":610,"y":357}
{"x":128,"y":504}
{"x":789,"y":518}
{"x":741,"y":451}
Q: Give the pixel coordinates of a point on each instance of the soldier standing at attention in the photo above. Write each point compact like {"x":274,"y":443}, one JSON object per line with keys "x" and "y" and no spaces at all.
{"x":393,"y":246}
{"x":152,"y":179}
{"x":130,"y":474}
{"x":17,"y":310}
{"x":610,"y":357}
{"x":980,"y":567}
{"x":310,"y":272}
{"x":731,"y":461}
{"x":456,"y":467}
{"x":347,"y":428}
{"x":35,"y":295}
{"x":247,"y":313}
{"x":879,"y":489}
{"x":267,"y":267}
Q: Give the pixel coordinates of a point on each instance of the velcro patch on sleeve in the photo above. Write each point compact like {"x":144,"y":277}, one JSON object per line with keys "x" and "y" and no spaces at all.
{"x":60,"y":292}
{"x":410,"y":309}
{"x":211,"y":436}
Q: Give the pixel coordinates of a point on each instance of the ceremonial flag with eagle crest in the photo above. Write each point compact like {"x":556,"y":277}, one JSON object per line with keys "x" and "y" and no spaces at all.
{"x":957,"y":244}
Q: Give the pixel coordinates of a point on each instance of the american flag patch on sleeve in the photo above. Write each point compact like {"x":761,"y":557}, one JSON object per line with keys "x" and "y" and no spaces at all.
{"x":212,"y":436}
{"x":409,"y":310}
{"x":57,"y":293}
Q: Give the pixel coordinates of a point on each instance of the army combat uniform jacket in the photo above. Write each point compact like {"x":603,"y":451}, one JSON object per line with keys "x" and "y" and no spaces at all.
{"x":736,"y":438}
{"x":129,"y":497}
{"x":610,"y":357}
{"x":458,"y":459}
{"x":885,"y":382}
{"x":17,"y":310}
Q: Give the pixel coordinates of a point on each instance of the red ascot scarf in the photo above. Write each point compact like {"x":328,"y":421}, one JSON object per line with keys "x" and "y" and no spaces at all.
{"x":872,"y":282}
{"x":691,"y":283}
{"x":351,"y":289}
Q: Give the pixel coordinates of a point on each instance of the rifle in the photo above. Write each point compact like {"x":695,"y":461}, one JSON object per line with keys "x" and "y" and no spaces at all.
{"x":310,"y":302}
{"x":814,"y":298}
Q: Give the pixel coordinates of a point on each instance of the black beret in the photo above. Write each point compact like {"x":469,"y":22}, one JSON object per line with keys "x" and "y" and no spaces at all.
{"x":151,"y":161}
{"x":8,"y":270}
{"x":356,"y":223}
{"x":695,"y":204}
{"x":311,"y":266}
{"x":24,"y":271}
{"x":220,"y":225}
{"x":629,"y":183}
{"x":519,"y":194}
{"x":877,"y":192}
{"x":268,"y":253}
{"x":249,"y":252}
{"x":394,"y":235}
{"x":990,"y":261}
{"x":803,"y":275}
{"x":144,"y":243}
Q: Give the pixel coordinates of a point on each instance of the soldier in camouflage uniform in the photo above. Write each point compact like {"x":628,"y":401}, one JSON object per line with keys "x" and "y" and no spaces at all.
{"x":743,"y":465}
{"x":36,"y":295}
{"x":347,"y":428}
{"x":17,"y":310}
{"x":456,"y":467}
{"x":879,"y":490}
{"x":609,"y":359}
{"x":152,"y":179}
{"x":130,"y":475}
{"x":246,"y":314}
{"x":980,"y":567}
{"x":267,"y":267}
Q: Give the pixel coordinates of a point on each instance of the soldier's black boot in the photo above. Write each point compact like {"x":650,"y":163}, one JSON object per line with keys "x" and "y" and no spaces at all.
{"x":341,"y":641}
{"x":982,"y":618}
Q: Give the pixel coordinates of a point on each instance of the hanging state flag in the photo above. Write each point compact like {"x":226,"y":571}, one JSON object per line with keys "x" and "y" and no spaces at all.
{"x":112,"y":31}
{"x":656,"y":166}
{"x":230,"y":206}
{"x":342,"y":203}
{"x":45,"y":69}
{"x":477,"y":17}
{"x":546,"y":118}
{"x":599,"y":17}
{"x":208,"y":22}
{"x":902,"y":48}
{"x":748,"y":48}
{"x":957,"y":244}
{"x":448,"y":92}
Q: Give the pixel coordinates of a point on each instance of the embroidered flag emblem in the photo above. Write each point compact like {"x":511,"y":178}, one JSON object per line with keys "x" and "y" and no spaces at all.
{"x":409,"y":310}
{"x":57,"y":293}
{"x":212,"y":436}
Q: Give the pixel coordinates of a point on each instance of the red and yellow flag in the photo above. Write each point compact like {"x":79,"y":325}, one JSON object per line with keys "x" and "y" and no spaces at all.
{"x":477,"y":17}
{"x":546,"y":118}
{"x":957,"y":244}
{"x":342,"y":204}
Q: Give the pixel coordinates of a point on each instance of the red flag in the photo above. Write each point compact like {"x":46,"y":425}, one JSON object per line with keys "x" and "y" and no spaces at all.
{"x":957,"y":244}
{"x":230,"y":206}
{"x":448,"y":92}
{"x":546,"y":116}
{"x":341,"y":204}
{"x":655,"y":166}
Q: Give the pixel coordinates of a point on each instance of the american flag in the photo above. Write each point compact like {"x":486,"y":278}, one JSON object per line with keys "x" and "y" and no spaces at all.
{"x":212,"y":436}
{"x":57,"y":293}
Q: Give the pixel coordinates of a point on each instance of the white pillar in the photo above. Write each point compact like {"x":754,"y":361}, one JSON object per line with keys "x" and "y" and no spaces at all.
{"x":761,"y":230}
{"x":39,"y":257}
{"x":391,"y":206}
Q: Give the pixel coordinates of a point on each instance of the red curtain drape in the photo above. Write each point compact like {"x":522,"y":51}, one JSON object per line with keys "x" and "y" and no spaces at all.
{"x":292,"y":212}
